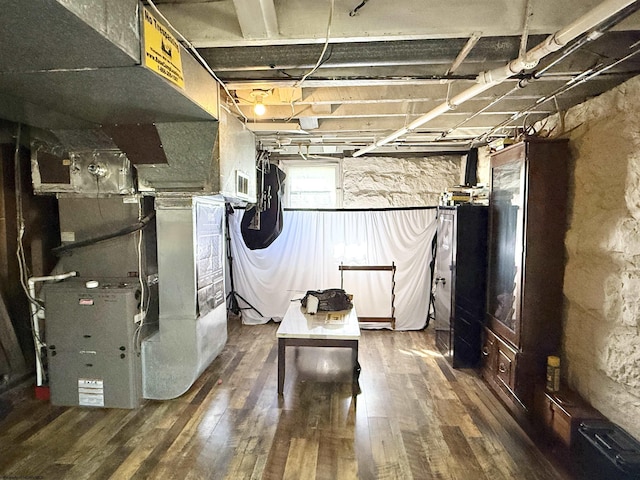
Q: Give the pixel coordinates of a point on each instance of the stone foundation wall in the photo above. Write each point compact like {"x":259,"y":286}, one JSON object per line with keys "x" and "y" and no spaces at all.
{"x":382,"y":182}
{"x":601,"y":357}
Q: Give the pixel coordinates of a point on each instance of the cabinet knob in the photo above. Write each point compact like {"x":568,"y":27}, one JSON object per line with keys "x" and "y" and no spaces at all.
{"x":441,"y":279}
{"x":485,"y":351}
{"x":502,"y":368}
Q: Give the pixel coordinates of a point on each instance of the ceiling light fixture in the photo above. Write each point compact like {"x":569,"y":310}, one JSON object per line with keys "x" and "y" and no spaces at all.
{"x":258,"y":101}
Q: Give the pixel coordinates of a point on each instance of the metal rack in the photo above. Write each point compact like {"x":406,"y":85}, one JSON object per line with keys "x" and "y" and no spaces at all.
{"x":390,"y":268}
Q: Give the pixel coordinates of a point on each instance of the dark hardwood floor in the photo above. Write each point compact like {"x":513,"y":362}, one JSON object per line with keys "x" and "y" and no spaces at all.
{"x":415,"y":418}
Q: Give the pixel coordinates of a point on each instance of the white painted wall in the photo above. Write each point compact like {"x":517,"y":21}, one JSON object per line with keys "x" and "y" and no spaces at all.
{"x":601,"y":357}
{"x":382,"y":182}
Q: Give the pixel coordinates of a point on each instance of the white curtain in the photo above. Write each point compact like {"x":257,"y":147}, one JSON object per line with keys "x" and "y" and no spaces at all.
{"x":313,"y":244}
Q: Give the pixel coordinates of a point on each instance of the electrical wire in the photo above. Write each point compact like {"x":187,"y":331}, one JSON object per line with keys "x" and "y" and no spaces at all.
{"x":22,"y":261}
{"x":202,"y":61}
{"x":63,"y":249}
{"x":292,"y":104}
{"x":142,"y":311}
{"x":324,"y":48}
{"x":24,"y":275}
{"x":321,"y":61}
{"x":354,"y":12}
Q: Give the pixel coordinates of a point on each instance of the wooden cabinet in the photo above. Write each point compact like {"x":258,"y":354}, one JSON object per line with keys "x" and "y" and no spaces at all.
{"x":527,"y":224}
{"x":460,"y":282}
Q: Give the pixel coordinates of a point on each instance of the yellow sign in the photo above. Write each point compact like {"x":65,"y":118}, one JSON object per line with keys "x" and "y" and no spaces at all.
{"x":161,"y":50}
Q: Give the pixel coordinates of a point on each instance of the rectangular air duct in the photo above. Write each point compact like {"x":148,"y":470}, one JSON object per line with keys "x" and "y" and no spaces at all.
{"x":193,"y":315}
{"x":115,"y":81}
{"x":87,"y":68}
{"x":173,"y":157}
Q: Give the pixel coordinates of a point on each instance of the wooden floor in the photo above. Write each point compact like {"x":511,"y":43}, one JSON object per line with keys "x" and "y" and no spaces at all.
{"x":415,"y":418}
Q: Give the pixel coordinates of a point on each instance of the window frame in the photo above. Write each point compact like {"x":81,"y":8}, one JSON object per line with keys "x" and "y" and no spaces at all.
{"x":286,"y":165}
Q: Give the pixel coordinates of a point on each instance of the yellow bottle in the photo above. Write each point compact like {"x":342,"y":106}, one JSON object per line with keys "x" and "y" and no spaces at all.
{"x":553,"y":373}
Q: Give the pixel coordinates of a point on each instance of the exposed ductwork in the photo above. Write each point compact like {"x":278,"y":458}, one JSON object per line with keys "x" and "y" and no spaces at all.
{"x":119,"y":112}
{"x":201,"y":158}
{"x":529,"y":60}
{"x":92,"y":91}
{"x":190,"y":336}
{"x":70,"y":66}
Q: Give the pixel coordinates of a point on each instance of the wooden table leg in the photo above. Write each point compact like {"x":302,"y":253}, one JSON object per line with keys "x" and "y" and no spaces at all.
{"x":281,"y":362}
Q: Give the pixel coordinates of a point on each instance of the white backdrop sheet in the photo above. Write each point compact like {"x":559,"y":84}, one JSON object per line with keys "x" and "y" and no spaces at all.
{"x":312,"y":245}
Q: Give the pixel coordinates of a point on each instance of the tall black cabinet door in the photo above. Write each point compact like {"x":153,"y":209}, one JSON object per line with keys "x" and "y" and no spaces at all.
{"x":460,"y":282}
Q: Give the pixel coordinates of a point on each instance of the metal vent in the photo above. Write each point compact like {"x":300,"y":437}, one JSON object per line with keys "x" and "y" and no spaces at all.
{"x":242,"y":185}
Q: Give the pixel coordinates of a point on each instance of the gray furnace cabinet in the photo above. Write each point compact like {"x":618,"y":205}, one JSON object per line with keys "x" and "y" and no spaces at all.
{"x":90,"y":334}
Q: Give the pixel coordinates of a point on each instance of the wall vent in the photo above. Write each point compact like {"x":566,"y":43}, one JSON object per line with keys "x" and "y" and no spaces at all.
{"x":242,"y":185}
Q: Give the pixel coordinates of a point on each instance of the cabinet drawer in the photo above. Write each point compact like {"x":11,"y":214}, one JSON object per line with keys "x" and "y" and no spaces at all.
{"x":489,"y":354}
{"x":506,"y":365}
{"x":505,"y":370}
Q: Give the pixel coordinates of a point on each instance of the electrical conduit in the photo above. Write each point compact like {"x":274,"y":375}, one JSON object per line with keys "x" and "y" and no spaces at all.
{"x":37,"y":313}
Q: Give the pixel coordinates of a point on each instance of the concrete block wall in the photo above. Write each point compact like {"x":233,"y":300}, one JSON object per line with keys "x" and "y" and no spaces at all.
{"x":601,"y":342}
{"x":380,"y":182}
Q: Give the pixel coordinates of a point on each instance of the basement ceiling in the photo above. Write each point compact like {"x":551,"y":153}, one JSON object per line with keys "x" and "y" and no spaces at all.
{"x":338,"y":76}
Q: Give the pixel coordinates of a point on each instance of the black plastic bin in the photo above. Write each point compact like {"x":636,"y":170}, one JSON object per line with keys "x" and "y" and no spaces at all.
{"x":608,"y":452}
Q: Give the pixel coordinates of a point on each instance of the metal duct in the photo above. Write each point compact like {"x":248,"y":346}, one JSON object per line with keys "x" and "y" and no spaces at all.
{"x":199,"y":157}
{"x":178,"y":157}
{"x":67,"y":66}
{"x":192,"y":332}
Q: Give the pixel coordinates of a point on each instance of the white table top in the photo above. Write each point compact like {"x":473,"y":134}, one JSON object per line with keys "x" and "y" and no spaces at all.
{"x":323,"y":325}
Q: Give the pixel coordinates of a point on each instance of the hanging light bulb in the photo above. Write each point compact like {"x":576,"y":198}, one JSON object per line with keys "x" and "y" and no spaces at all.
{"x":259,"y":108}
{"x":258,"y":101}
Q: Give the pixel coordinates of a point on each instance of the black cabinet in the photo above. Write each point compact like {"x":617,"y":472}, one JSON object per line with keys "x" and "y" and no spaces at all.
{"x":460,"y":282}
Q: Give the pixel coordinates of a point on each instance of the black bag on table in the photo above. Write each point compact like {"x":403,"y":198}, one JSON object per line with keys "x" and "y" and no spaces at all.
{"x":330,"y":300}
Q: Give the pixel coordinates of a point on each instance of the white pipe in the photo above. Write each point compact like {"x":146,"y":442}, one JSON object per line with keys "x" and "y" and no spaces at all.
{"x":591,"y":19}
{"x":37,"y":314}
{"x":487,"y":80}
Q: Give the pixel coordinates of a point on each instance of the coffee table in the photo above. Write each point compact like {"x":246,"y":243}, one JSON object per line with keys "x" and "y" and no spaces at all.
{"x":324,"y":329}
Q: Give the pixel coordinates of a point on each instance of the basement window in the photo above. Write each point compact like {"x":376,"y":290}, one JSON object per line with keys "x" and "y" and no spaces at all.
{"x":312,"y":186}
